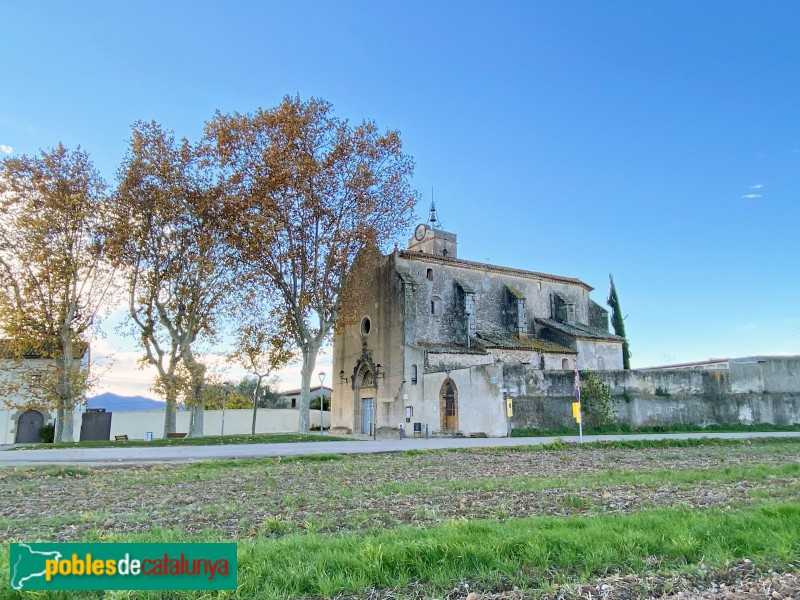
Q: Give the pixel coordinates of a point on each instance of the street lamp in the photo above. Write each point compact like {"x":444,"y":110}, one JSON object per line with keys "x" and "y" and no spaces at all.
{"x":321,"y":397}
{"x":226,"y":388}
{"x":224,"y":401}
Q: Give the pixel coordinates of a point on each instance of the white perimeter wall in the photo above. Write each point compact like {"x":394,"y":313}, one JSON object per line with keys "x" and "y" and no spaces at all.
{"x":136,"y":424}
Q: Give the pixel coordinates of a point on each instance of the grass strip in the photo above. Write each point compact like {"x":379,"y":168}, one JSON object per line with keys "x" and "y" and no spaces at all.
{"x":208,"y":440}
{"x":497,"y":555}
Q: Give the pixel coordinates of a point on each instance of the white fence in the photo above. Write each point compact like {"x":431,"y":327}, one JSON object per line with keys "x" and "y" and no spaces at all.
{"x":136,"y":424}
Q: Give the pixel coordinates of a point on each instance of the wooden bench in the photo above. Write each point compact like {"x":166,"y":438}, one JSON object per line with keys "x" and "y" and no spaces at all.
{"x":121,"y":438}
{"x":172,"y":436}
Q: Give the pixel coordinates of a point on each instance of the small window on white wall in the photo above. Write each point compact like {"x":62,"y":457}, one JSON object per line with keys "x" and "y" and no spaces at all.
{"x":601,"y":363}
{"x":565,"y":364}
{"x":414,"y":374}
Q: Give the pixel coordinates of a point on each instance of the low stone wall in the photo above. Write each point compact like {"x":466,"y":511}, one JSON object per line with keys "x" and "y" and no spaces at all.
{"x":643,"y":410}
{"x":756,"y":391}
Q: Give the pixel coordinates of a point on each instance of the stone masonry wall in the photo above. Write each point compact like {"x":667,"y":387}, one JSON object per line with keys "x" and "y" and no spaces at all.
{"x":667,"y":397}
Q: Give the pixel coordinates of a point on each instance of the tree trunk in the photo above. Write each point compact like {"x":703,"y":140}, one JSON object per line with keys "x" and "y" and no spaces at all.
{"x":197,"y":381}
{"x":67,"y":427}
{"x":196,"y":412}
{"x":255,"y":403}
{"x":170,"y":417}
{"x":309,"y":362}
{"x":67,"y":390}
{"x":59,"y":424}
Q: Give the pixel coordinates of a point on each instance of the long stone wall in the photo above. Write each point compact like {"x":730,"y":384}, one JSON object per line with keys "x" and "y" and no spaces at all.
{"x":765,"y":391}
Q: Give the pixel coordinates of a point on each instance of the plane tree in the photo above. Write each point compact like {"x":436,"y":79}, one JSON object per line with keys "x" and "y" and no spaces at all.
{"x":54,"y":276}
{"x":307,"y":192}
{"x":260,"y":349}
{"x":179,"y":274}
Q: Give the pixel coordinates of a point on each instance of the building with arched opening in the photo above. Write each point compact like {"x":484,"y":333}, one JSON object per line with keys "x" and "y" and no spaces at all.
{"x":24,"y":378}
{"x":428,"y":337}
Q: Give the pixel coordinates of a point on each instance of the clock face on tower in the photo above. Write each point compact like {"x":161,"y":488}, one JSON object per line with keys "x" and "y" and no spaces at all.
{"x":419,"y":232}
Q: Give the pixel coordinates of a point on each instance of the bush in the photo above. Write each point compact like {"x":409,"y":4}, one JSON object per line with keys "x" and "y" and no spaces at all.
{"x":596,"y":400}
{"x":314,"y":404}
{"x":47,"y":433}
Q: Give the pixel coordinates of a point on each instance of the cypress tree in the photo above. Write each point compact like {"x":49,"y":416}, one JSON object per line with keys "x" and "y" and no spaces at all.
{"x":618,"y":323}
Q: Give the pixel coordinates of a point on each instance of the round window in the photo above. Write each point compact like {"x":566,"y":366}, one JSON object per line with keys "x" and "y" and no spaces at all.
{"x":365,"y":326}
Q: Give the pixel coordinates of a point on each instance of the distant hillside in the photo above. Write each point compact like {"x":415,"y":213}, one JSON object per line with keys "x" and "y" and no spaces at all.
{"x":115,"y":403}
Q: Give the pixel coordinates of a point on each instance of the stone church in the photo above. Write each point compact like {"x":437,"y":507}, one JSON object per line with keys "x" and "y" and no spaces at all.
{"x":434,"y":336}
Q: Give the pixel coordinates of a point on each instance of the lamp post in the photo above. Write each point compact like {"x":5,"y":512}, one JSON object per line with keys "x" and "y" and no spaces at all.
{"x":321,"y":398}
{"x":224,"y":401}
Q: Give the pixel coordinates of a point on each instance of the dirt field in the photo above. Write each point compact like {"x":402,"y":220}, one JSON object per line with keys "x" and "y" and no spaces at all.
{"x":360,"y":493}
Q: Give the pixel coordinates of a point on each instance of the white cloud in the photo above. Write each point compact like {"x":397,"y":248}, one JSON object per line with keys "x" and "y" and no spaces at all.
{"x":751,"y":196}
{"x":757,"y":186}
{"x":6,"y":149}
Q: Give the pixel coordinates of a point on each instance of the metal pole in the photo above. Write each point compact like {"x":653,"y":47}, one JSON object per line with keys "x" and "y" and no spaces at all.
{"x":578,"y":400}
{"x":224,"y":399}
{"x":321,"y":398}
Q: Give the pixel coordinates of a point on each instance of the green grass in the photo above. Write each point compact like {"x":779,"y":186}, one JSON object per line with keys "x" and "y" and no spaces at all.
{"x":209,"y":440}
{"x":616,"y":429}
{"x":611,"y":477}
{"x":492,"y":555}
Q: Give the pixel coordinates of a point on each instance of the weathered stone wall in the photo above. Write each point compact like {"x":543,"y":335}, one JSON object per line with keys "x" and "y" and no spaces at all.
{"x":491,"y":298}
{"x":666,"y":397}
{"x":380,"y":296}
{"x":640,"y":410}
{"x":599,"y":356}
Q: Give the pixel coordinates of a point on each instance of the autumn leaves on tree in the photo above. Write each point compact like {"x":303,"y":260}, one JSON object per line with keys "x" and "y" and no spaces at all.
{"x":308,"y":192}
{"x":54,"y":276}
{"x":250,"y":231}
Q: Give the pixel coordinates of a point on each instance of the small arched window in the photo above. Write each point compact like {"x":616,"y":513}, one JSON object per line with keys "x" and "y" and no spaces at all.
{"x":429,"y":274}
{"x":565,"y":364}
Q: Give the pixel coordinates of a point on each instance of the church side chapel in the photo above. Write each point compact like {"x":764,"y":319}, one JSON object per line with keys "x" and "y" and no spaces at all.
{"x":436,"y":335}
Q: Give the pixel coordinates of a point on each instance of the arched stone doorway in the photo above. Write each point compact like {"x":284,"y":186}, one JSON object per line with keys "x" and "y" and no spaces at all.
{"x":28,"y":425}
{"x":448,"y":405}
{"x":365,"y":401}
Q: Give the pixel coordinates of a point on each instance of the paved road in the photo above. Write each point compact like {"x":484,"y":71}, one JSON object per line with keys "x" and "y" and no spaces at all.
{"x":111,"y":456}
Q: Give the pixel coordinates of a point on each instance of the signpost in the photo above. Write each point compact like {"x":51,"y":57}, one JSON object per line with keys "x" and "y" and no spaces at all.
{"x":576,"y":406}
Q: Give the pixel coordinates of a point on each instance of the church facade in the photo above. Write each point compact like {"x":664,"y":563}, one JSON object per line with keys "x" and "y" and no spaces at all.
{"x":434,"y":335}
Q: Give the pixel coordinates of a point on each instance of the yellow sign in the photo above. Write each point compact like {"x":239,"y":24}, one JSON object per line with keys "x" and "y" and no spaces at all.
{"x":576,"y":411}
{"x":509,"y":407}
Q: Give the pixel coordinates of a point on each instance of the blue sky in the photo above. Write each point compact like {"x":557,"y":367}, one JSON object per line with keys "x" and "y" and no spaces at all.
{"x":658,"y":141}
